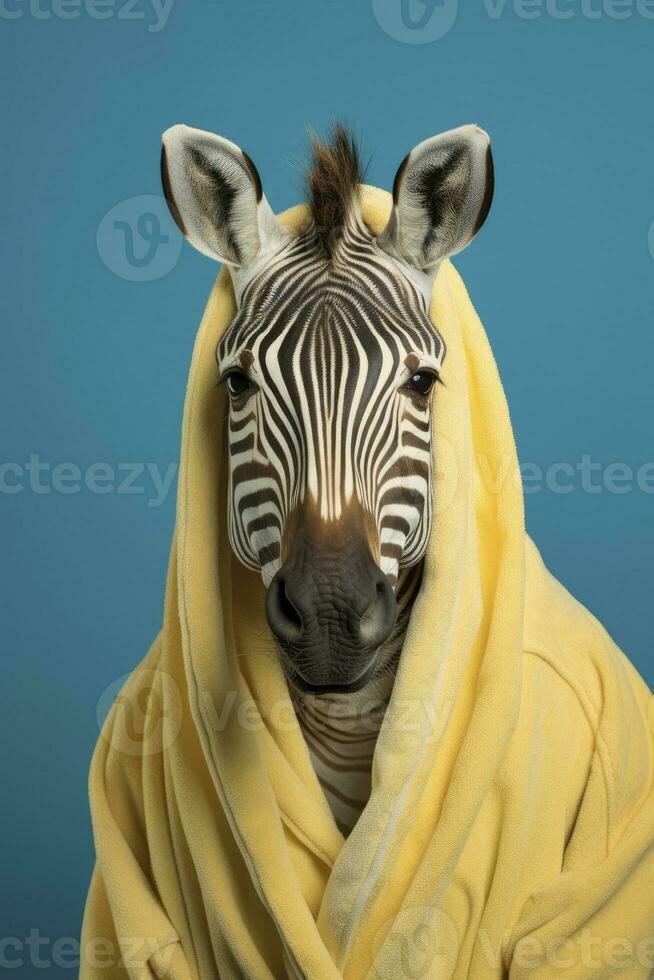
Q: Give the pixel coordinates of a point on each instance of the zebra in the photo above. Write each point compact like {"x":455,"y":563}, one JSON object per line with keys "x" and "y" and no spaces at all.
{"x":330,"y":365}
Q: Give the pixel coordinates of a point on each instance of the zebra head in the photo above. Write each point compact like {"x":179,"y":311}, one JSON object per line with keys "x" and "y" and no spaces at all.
{"x":330,"y":365}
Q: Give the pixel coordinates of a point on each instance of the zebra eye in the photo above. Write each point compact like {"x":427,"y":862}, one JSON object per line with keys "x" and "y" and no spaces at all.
{"x":238,"y":383}
{"x":421,"y":382}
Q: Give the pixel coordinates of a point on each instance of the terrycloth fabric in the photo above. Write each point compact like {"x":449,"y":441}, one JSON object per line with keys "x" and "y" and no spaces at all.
{"x":512,"y":804}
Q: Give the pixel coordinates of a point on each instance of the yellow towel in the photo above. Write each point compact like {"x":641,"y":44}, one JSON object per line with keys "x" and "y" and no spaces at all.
{"x":510,"y":826}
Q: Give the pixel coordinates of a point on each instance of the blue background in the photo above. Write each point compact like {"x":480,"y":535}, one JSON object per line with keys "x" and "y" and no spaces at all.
{"x":94,"y":365}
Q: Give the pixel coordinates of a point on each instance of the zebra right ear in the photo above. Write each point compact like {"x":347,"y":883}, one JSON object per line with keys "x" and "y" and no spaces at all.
{"x":442,"y":194}
{"x":215,"y":195}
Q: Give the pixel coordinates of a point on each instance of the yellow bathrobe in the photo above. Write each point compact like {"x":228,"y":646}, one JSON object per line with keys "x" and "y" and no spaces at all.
{"x":510,"y":827}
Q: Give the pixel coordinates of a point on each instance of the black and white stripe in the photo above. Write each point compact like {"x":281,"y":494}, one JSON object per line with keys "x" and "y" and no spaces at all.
{"x":329,"y":345}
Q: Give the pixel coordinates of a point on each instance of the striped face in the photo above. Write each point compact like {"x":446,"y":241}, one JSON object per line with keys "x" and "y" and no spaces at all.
{"x":330,"y":365}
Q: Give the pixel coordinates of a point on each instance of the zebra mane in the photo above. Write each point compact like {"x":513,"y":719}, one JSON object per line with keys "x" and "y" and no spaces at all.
{"x":333,"y":180}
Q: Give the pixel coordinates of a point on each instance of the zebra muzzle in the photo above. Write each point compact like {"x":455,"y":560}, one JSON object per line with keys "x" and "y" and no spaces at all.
{"x":331,"y":609}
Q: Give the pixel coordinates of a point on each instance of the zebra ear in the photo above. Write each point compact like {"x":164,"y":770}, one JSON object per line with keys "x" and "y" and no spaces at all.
{"x":214,"y":194}
{"x":442,"y":194}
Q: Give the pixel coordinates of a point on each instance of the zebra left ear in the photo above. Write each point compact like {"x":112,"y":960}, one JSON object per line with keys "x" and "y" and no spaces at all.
{"x":442,"y":194}
{"x":215,"y":195}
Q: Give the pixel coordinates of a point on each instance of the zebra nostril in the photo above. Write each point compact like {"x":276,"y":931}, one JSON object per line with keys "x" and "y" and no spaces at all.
{"x":283,"y":617}
{"x":287,"y":607}
{"x":378,"y":620}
